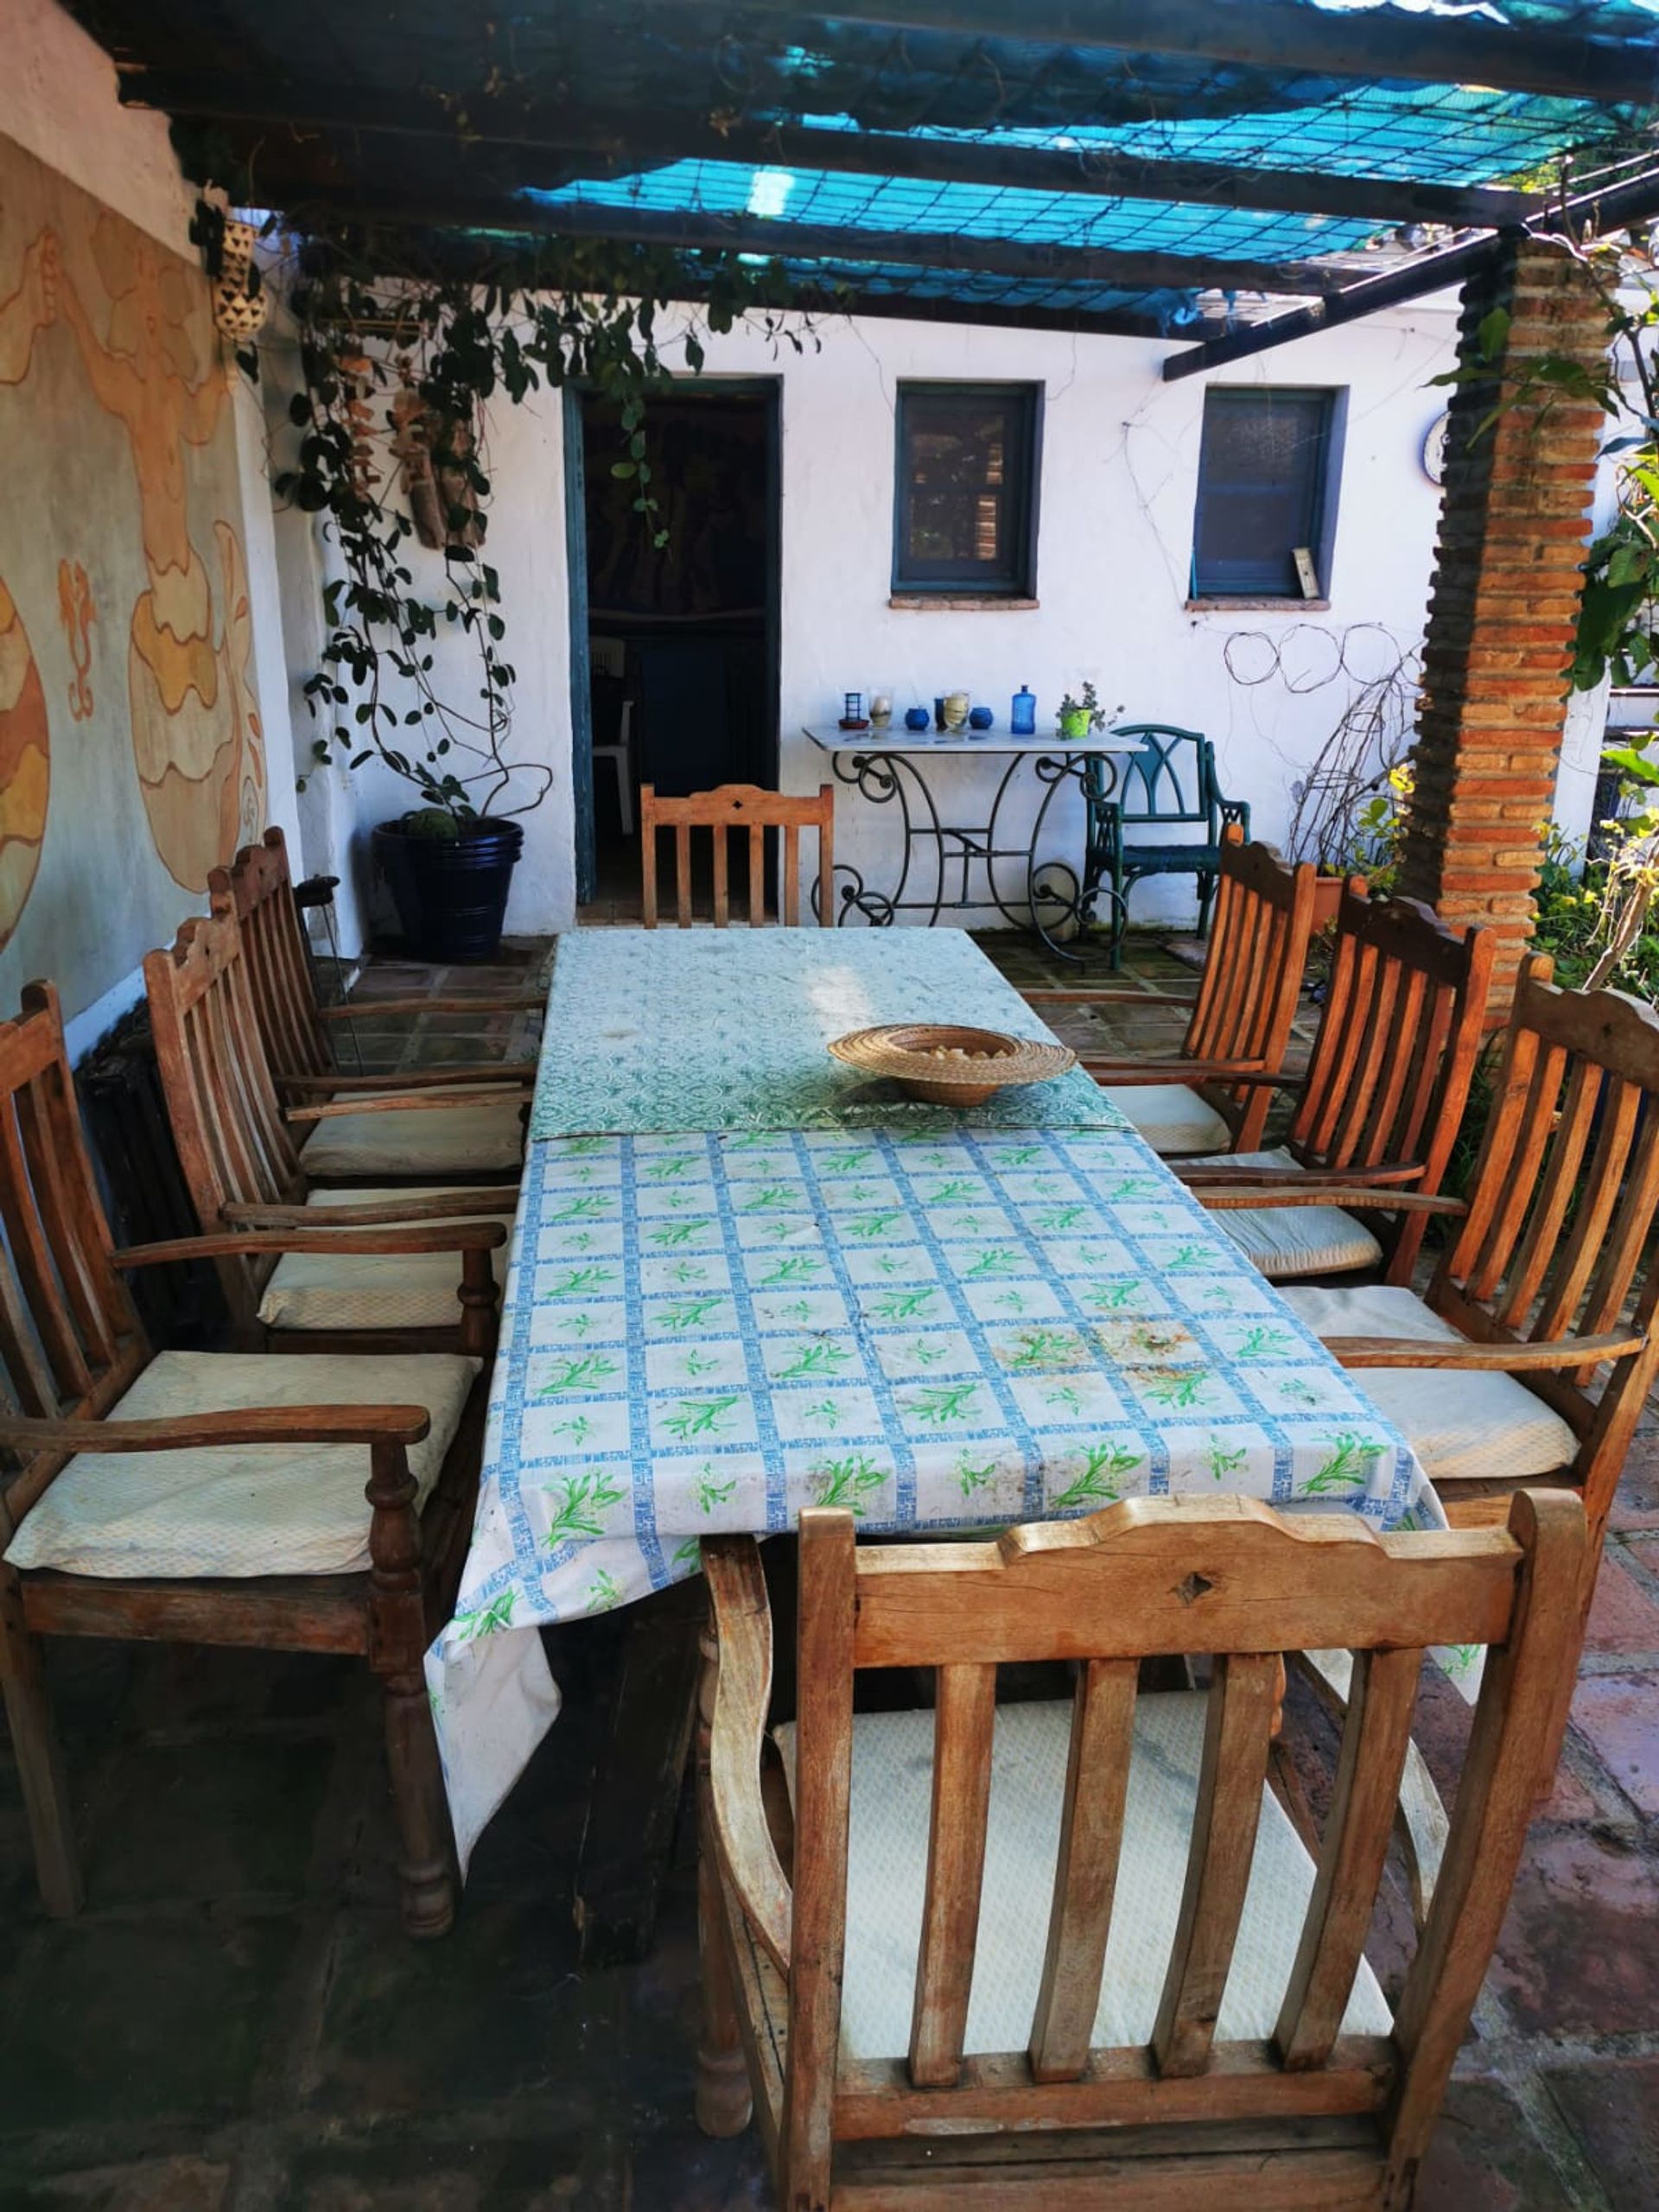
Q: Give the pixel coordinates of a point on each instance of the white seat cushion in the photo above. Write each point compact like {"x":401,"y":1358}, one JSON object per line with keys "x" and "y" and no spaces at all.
{"x":1463,"y":1426}
{"x":1295,"y":1240}
{"x":449,"y":1140}
{"x":370,"y":1290}
{"x":886,"y":1879}
{"x":1170,"y":1118}
{"x":238,"y":1509}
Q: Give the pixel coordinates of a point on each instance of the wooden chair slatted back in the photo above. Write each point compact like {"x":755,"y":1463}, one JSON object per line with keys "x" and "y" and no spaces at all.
{"x":233,"y":1143}
{"x":1251,"y":981}
{"x":1395,"y":1051}
{"x":258,"y":890}
{"x":1565,"y":1191}
{"x":738,"y":806}
{"x":71,"y":1341}
{"x":1164,"y":1577}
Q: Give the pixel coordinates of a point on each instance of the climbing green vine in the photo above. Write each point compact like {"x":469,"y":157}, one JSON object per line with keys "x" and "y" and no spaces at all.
{"x":401,"y":350}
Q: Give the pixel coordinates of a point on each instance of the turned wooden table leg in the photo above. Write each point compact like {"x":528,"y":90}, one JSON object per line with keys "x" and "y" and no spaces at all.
{"x":724,"y":2103}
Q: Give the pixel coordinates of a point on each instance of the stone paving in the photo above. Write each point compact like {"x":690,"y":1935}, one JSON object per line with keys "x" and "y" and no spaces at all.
{"x":236,"y":2023}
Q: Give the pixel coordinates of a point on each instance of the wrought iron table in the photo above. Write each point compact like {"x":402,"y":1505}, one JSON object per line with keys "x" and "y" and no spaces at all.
{"x":888,"y":768}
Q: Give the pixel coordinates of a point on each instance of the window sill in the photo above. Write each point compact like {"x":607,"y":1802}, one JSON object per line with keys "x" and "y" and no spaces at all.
{"x":963,"y":603}
{"x":1242,"y":606}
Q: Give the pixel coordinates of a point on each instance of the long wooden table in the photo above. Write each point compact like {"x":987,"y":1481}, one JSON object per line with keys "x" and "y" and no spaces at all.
{"x":806,"y":1291}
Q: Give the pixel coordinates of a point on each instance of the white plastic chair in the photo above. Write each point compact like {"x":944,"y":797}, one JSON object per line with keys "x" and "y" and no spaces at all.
{"x":621,"y":756}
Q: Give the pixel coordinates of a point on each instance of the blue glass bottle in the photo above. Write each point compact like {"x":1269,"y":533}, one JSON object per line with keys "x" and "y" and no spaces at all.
{"x":1022,"y":719}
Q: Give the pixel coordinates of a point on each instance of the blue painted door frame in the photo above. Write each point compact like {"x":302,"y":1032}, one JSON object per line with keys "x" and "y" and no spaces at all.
{"x":581,"y":689}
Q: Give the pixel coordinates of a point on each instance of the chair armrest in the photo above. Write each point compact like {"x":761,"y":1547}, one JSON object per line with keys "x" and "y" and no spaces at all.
{"x":256,"y":1425}
{"x":440,"y":1205}
{"x":1485,"y":1359}
{"x":1322,"y":1194}
{"x":518,"y":1002}
{"x":1200,"y":1175}
{"x":1056,"y":996}
{"x":424,"y":1102}
{"x":440,"y":1237}
{"x":482,"y":1072}
{"x":1132,"y":1075}
{"x":1420,"y":1819}
{"x":742,"y":1695}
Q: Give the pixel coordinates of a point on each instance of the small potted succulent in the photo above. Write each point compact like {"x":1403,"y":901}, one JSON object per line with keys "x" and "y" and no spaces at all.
{"x":1081,"y":718}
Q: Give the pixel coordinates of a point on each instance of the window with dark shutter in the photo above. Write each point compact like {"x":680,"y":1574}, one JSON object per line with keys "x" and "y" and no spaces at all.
{"x":965,"y":507}
{"x":1264,"y":478}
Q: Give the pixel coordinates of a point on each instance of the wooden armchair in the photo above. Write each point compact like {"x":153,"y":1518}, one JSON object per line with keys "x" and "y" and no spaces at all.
{"x":1048,"y":1955}
{"x":1380,"y":1106}
{"x":305,"y":1505}
{"x":364,"y":1137}
{"x":1241,"y":1018}
{"x":1529,"y":1357}
{"x":311,"y":1293}
{"x":738,"y":806}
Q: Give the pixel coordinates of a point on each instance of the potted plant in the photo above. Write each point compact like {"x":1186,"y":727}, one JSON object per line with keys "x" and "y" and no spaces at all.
{"x":1081,"y":718}
{"x":371,"y":314}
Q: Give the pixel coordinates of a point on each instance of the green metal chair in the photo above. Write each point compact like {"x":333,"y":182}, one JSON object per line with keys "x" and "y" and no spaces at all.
{"x":1167,"y":780}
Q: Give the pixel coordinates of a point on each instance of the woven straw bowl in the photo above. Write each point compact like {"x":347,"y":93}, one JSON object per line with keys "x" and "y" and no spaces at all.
{"x":907,"y":1051}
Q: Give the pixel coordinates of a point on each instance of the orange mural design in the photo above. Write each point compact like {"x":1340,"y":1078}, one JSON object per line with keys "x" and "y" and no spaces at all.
{"x":196,"y":743}
{"x":120,"y":551}
{"x":77,"y":614}
{"x":25,"y":737}
{"x":25,"y":769}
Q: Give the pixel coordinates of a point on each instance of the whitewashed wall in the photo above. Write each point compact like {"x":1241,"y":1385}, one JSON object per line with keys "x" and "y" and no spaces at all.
{"x":57,"y":100}
{"x":1119,"y":477}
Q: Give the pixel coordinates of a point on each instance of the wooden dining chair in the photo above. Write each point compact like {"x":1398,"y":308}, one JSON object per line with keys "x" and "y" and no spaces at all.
{"x":738,"y":806}
{"x":482,"y":1135}
{"x":307,"y":1504}
{"x":1074,"y":1954}
{"x":1240,"y":1020}
{"x":244,"y":1171}
{"x":1529,"y":1357}
{"x":1382,"y":1102}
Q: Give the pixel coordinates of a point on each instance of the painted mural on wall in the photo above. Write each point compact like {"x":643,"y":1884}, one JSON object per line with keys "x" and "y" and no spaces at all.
{"x":131,"y":760}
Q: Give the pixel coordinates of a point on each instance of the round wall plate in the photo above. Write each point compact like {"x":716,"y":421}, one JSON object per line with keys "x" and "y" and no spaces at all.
{"x":1434,"y":450}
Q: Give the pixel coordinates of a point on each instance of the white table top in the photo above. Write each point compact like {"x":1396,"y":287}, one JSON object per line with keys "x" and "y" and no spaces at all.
{"x":897,"y":739}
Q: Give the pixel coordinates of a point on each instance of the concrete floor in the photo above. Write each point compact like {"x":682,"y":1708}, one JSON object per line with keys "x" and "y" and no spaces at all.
{"x":236,"y":2023}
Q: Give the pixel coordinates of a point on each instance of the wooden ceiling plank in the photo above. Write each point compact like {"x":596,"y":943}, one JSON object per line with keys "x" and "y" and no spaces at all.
{"x":590,"y":143}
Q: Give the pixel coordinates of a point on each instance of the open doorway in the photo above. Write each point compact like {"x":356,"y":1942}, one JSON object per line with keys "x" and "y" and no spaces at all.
{"x":680,"y":683}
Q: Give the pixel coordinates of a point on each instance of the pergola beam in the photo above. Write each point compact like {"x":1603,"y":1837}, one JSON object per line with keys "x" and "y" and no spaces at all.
{"x":506,"y":259}
{"x":1374,"y":43}
{"x":1635,"y":199}
{"x":685,"y":230}
{"x":586,"y":143}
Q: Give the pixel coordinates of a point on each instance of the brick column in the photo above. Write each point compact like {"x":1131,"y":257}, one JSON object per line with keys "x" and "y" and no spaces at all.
{"x":1504,"y":605}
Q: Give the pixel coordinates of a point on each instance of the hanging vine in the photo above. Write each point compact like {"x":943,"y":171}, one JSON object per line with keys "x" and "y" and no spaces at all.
{"x":402,"y":347}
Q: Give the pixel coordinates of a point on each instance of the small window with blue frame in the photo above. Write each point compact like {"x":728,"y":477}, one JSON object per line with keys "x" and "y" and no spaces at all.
{"x":1267,"y":474}
{"x":965,"y":509}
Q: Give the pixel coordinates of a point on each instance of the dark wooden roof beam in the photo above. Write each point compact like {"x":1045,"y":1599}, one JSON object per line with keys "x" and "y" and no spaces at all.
{"x":506,"y":260}
{"x":589,"y":144}
{"x":1289,"y":35}
{"x":687,"y":232}
{"x":1636,"y":199}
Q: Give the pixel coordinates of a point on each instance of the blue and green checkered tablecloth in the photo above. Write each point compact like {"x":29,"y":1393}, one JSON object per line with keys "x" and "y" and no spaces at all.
{"x":936,"y":1326}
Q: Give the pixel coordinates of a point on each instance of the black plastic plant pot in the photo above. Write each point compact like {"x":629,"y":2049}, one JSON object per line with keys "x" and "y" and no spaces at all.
{"x":450,"y":892}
